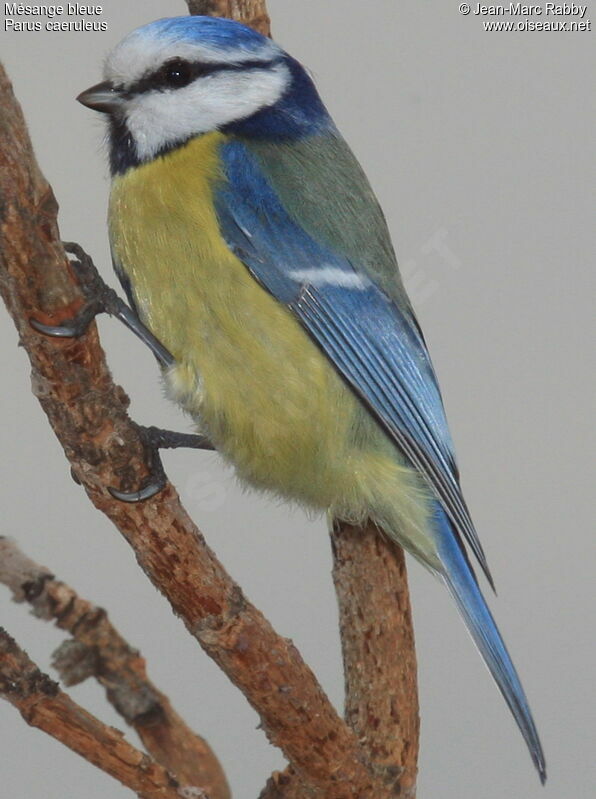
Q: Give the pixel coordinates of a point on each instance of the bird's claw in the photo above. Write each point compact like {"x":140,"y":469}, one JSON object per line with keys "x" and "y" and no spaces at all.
{"x":155,"y":439}
{"x":100,"y":297}
{"x":75,"y":327}
{"x":147,"y":492}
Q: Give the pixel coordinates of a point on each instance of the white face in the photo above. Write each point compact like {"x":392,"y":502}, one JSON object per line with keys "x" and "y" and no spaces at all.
{"x":159,"y":116}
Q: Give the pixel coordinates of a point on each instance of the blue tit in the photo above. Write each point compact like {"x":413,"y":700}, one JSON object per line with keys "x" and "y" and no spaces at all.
{"x":250,"y":243}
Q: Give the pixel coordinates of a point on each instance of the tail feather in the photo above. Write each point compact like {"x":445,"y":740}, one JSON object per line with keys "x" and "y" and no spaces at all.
{"x":461,"y":582}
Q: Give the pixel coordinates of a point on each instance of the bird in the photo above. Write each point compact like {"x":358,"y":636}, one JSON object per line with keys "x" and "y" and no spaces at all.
{"x":249,"y":242}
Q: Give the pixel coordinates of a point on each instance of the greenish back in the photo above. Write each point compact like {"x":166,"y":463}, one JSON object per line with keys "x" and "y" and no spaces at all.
{"x":322,"y":185}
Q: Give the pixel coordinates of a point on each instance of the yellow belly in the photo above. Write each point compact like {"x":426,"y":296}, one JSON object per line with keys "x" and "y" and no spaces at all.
{"x":245,"y":369}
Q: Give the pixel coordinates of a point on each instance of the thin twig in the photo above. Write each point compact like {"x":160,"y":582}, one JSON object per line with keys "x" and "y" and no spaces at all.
{"x":98,"y":650}
{"x":250,"y":12}
{"x":43,"y":705}
{"x":88,"y":414}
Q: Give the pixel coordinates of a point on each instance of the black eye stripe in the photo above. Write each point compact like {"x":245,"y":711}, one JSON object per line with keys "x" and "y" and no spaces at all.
{"x":197,"y":69}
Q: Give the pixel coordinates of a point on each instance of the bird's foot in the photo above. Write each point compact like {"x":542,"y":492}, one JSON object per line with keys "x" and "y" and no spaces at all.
{"x":100,"y":298}
{"x":155,"y":439}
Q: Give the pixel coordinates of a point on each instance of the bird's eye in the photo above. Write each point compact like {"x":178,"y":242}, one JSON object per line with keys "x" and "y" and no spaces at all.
{"x":177,"y":73}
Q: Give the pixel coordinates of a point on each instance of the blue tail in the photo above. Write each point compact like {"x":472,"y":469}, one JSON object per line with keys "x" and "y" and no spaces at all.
{"x":461,"y":581}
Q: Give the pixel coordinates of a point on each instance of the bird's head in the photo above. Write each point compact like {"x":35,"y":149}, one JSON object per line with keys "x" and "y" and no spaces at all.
{"x":178,"y":78}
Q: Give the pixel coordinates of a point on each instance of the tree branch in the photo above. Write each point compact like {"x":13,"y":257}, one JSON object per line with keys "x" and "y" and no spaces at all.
{"x":99,"y":651}
{"x":286,"y":785}
{"x":43,"y":705}
{"x":88,"y":414}
{"x":378,"y":650}
{"x":377,"y":637}
{"x":250,"y":12}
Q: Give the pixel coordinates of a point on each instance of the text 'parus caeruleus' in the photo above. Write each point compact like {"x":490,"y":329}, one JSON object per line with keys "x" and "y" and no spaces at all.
{"x":251,"y":245}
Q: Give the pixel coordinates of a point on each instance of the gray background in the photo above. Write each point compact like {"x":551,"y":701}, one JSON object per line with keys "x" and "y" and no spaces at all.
{"x":483,"y":141}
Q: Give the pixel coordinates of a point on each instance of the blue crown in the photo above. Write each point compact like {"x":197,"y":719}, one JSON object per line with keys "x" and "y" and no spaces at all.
{"x":217,"y":32}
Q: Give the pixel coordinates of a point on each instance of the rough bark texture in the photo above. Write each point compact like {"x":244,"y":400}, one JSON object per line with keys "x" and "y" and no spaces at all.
{"x":88,"y":413}
{"x":250,"y":12}
{"x":285,"y":785}
{"x":98,"y":650}
{"x":377,"y":638}
{"x":378,"y":649}
{"x":42,"y":704}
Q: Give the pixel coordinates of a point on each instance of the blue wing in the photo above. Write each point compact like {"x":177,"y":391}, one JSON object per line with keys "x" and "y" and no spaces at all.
{"x":376,"y":346}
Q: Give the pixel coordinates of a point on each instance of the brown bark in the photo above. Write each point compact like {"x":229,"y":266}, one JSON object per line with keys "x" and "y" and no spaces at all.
{"x":377,"y":637}
{"x":250,"y":12}
{"x":378,"y":650}
{"x":88,"y":414}
{"x":98,"y":650}
{"x":42,"y":704}
{"x":285,"y":785}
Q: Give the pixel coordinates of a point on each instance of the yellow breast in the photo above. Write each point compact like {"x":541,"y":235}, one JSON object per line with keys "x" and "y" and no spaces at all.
{"x":245,"y":368}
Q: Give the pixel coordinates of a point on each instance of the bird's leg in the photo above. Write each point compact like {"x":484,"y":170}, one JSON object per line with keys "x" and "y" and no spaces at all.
{"x":100,"y":299}
{"x":155,"y":439}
